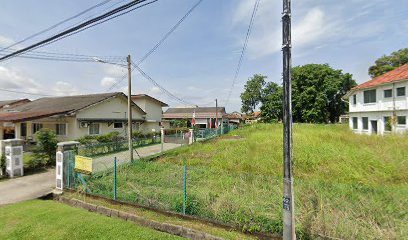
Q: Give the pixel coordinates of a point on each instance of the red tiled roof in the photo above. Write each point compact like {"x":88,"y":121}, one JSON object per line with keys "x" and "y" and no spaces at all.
{"x":25,"y":116}
{"x":395,"y":75}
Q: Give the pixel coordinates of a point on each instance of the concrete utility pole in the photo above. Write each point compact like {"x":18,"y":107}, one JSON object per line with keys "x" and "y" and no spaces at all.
{"x":129,"y":63}
{"x":288,"y":193}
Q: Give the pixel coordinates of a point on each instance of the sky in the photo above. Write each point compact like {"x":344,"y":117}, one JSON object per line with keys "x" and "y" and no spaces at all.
{"x":198,"y":61}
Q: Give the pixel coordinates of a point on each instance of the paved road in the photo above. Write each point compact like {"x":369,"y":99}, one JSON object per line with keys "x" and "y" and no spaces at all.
{"x":28,"y":187}
{"x":37,"y":185}
{"x":106,"y":162}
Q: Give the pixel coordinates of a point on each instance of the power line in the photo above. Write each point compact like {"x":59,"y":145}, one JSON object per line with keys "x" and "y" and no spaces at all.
{"x":56,"y":25}
{"x":93,"y":22}
{"x":158,"y":43}
{"x":165,"y":91}
{"x":248,"y":34}
{"x":28,"y":93}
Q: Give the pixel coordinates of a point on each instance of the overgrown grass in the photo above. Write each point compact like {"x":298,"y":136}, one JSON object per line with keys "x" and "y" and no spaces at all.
{"x":347,"y":186}
{"x":52,"y":220}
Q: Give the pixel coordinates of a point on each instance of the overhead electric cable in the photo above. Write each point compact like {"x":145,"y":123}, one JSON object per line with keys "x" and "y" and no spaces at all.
{"x":157,"y":45}
{"x":56,"y":25}
{"x":78,"y":28}
{"x":241,"y":58}
{"x":28,"y":93}
{"x":164,"y":90}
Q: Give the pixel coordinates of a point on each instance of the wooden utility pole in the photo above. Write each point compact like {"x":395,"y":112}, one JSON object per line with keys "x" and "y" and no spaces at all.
{"x":288,"y":193}
{"x":129,"y":63}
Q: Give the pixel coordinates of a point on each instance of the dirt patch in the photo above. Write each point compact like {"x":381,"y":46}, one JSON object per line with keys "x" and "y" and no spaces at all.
{"x":235,"y":137}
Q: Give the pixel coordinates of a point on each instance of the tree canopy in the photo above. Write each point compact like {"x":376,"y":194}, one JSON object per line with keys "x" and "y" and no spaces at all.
{"x":317,"y":91}
{"x":252,"y":95}
{"x":387,"y":63}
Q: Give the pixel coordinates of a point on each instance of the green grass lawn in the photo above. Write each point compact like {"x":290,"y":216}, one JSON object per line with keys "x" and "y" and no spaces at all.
{"x":347,"y":186}
{"x":39,"y":219}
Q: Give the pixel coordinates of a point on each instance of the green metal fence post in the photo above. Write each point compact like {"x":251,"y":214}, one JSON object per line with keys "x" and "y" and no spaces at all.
{"x":185,"y":188}
{"x":114,"y":179}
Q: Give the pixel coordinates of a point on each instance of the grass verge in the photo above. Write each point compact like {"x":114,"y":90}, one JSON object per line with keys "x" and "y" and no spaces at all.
{"x":39,"y":219}
{"x":347,"y":186}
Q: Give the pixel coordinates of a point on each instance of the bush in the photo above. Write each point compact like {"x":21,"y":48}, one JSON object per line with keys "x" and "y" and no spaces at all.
{"x":3,"y":164}
{"x":46,"y":146}
{"x":86,"y":140}
{"x":110,"y":137}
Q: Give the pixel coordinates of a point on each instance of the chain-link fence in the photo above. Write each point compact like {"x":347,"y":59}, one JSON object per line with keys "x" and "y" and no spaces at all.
{"x":250,"y":201}
{"x":253,"y":202}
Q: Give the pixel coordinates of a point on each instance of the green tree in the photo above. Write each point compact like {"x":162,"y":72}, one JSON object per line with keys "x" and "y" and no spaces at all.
{"x":387,"y":63}
{"x":317,"y":93}
{"x":271,"y":109}
{"x":252,"y":95}
{"x":46,"y":146}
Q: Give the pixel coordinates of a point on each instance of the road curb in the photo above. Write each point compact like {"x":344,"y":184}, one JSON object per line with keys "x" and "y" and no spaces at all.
{"x":163,"y":227}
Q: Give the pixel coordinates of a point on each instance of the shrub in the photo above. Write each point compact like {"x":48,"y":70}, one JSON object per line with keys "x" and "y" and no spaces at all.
{"x":46,"y":146}
{"x":86,"y":140}
{"x":3,"y":164}
{"x":110,"y":137}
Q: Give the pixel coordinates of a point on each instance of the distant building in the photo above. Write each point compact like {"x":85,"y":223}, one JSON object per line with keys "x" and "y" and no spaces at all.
{"x":252,"y":117}
{"x":72,"y":117}
{"x":8,"y":105}
{"x":380,"y":105}
{"x":205,"y":117}
{"x":154,"y":112}
{"x":235,"y":118}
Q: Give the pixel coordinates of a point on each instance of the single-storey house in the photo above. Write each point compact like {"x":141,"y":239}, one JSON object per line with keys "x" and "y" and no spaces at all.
{"x":380,"y":106}
{"x":72,"y":116}
{"x":153,"y":109}
{"x":234,"y":118}
{"x":8,"y":105}
{"x":252,"y":117}
{"x":205,"y":117}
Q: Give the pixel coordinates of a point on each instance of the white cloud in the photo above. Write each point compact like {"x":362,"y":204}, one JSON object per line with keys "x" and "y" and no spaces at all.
{"x":14,"y":79}
{"x":64,"y":88}
{"x":155,"y":90}
{"x":5,"y":41}
{"x":108,"y":82}
{"x":315,"y":24}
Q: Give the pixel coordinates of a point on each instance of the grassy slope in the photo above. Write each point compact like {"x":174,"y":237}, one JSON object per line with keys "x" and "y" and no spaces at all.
{"x":321,"y":152}
{"x":51,"y":220}
{"x":347,"y":186}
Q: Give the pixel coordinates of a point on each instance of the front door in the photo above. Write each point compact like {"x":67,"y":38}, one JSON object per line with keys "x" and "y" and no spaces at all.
{"x":374,"y":129}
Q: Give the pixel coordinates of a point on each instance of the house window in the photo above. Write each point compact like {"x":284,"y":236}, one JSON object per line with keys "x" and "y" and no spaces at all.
{"x":61,"y":129}
{"x":354,"y":99}
{"x":370,"y":96}
{"x":355,"y":122}
{"x":388,"y":93}
{"x":118,"y":125}
{"x":365,"y":123}
{"x":400,"y":91}
{"x":94,"y":129}
{"x":136,"y":126}
{"x":36,"y":127}
{"x":387,"y":124}
{"x":401,"y":120}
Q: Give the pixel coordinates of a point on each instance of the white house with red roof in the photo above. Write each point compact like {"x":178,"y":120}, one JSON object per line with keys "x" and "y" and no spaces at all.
{"x":380,"y":106}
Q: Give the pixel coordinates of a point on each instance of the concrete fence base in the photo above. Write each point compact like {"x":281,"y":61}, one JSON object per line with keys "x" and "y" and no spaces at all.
{"x":163,"y":227}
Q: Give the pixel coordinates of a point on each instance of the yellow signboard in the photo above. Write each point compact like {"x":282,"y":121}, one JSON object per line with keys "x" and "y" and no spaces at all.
{"x":83,"y":164}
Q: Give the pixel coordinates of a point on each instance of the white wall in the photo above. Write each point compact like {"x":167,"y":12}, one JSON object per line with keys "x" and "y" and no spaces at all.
{"x":382,"y":104}
{"x":379,"y":117}
{"x":114,"y":108}
{"x":152,"y":108}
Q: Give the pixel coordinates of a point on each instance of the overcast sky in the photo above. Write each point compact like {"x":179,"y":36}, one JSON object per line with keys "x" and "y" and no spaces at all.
{"x":197,"y":62}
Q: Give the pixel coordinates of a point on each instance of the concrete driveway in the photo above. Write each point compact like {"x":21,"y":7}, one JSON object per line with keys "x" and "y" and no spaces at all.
{"x":27,"y":187}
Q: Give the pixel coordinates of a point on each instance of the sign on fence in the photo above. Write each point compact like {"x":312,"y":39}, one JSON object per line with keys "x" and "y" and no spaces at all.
{"x":83,"y":164}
